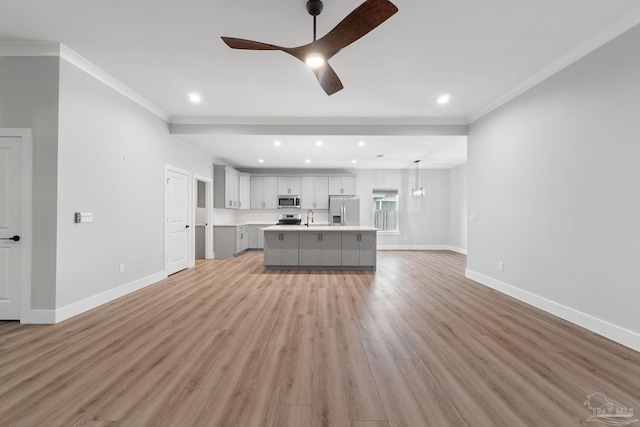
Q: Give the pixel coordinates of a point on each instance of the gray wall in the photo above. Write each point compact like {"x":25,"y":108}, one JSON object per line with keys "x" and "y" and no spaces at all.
{"x":112,"y":156}
{"x":458,"y":208}
{"x":93,"y":151}
{"x":424,"y":222}
{"x":29,"y":99}
{"x":554,"y":178}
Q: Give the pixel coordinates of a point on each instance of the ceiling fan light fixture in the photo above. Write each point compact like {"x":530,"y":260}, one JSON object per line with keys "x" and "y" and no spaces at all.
{"x":314,"y":60}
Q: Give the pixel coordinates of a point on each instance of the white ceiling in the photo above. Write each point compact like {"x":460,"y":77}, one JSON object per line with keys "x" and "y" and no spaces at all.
{"x":482,"y":53}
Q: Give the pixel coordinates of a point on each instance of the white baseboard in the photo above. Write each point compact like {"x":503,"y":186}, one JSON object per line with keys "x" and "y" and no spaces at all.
{"x":412,"y":247}
{"x":613,"y":332}
{"x":462,"y":251}
{"x":421,"y":248}
{"x":92,"y":302}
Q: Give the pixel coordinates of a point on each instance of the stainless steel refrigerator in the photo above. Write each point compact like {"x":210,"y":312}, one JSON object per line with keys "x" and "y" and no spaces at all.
{"x":344,"y":210}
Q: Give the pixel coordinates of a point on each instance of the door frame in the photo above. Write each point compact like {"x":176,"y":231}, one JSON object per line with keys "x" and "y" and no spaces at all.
{"x":208,"y":234}
{"x":191,"y":216}
{"x":26,"y":236}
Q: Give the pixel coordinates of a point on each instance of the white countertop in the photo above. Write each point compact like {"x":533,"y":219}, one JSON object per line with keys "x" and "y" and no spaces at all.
{"x":317,"y":228}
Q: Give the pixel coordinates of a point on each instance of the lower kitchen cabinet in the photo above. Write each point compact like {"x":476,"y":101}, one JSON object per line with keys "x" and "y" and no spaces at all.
{"x":359,"y":248}
{"x":256,"y":236}
{"x":229,"y":240}
{"x":242,"y":239}
{"x":281,"y":248}
{"x":320,"y":249}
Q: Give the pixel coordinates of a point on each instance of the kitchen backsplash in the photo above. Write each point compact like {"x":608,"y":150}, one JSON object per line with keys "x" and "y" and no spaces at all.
{"x":240,"y":216}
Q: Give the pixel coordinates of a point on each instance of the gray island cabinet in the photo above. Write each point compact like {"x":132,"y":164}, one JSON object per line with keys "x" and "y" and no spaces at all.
{"x":320,"y":247}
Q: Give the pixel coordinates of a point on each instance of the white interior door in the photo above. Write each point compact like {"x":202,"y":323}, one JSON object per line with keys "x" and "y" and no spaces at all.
{"x":10,"y":227}
{"x":178,"y":228}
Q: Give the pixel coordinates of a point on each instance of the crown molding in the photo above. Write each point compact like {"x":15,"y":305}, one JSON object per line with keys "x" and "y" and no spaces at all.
{"x":55,"y":49}
{"x":629,"y":21}
{"x":88,"y":67}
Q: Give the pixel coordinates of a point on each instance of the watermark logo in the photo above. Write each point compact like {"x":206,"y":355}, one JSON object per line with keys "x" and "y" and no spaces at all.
{"x":608,"y":411}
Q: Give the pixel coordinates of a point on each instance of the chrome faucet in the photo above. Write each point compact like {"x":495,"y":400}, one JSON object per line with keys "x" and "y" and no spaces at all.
{"x":309,"y":212}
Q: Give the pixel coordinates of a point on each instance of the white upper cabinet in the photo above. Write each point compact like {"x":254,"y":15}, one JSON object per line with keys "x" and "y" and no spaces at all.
{"x":270,"y":192}
{"x":244,"y":192}
{"x":288,"y":185}
{"x":264,"y":192}
{"x":307,"y":197}
{"x":226,"y":187}
{"x":314,"y":192}
{"x":342,"y":185}
{"x":321,"y":192}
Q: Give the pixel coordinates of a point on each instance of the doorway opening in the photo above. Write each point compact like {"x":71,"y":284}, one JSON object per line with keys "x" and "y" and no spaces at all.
{"x":203,"y":240}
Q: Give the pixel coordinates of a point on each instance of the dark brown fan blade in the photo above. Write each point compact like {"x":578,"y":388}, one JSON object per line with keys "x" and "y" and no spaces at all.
{"x":248,"y":44}
{"x":362,"y":20}
{"x":328,"y":79}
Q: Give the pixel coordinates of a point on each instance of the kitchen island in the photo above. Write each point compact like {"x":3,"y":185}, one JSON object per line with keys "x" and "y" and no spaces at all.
{"x":320,"y":247}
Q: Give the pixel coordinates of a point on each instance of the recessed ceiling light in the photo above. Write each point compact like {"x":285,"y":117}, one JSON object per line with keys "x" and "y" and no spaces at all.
{"x":319,"y":143}
{"x":194,"y":97}
{"x":354,"y":161}
{"x":361,"y":144}
{"x":260,"y":160}
{"x":307,"y":161}
{"x":277,"y":143}
{"x":443,"y":99}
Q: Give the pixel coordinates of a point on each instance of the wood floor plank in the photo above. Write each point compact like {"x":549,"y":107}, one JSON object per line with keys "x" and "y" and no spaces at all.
{"x":294,"y":416}
{"x":369,"y":424}
{"x":227,"y":343}
{"x":362,"y":395}
{"x":329,"y":407}
{"x":431,"y":398}
{"x":400,"y":406}
{"x":467,"y":394}
{"x":262,"y":407}
{"x":296,"y":384}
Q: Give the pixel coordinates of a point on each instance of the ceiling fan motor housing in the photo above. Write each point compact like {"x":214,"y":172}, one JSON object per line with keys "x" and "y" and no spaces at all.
{"x":314,"y":7}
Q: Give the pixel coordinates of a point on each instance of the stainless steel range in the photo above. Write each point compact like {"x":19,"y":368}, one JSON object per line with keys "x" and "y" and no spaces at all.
{"x":290,"y":219}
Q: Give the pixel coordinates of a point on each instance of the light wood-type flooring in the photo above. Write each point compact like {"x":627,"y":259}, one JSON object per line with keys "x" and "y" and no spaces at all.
{"x":228,"y":344}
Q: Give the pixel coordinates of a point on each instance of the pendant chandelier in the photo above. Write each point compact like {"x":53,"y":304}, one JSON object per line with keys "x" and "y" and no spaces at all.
{"x":417,"y":191}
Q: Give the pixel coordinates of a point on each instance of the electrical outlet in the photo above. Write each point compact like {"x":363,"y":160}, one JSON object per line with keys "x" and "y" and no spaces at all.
{"x":473,"y":217}
{"x":501,"y":266}
{"x":121,"y":268}
{"x":83,"y":217}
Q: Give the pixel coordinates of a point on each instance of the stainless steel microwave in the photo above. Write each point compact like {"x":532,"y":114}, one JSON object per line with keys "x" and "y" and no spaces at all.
{"x":288,"y":201}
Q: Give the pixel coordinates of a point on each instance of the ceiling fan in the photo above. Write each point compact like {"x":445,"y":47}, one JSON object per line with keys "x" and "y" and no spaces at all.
{"x":316,"y":54}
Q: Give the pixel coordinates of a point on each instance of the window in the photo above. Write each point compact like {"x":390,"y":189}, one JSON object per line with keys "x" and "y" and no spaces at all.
{"x":385,"y":211}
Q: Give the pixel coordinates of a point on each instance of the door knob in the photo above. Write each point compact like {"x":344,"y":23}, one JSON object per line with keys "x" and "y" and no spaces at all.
{"x":187,"y":226}
{"x":15,"y":238}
